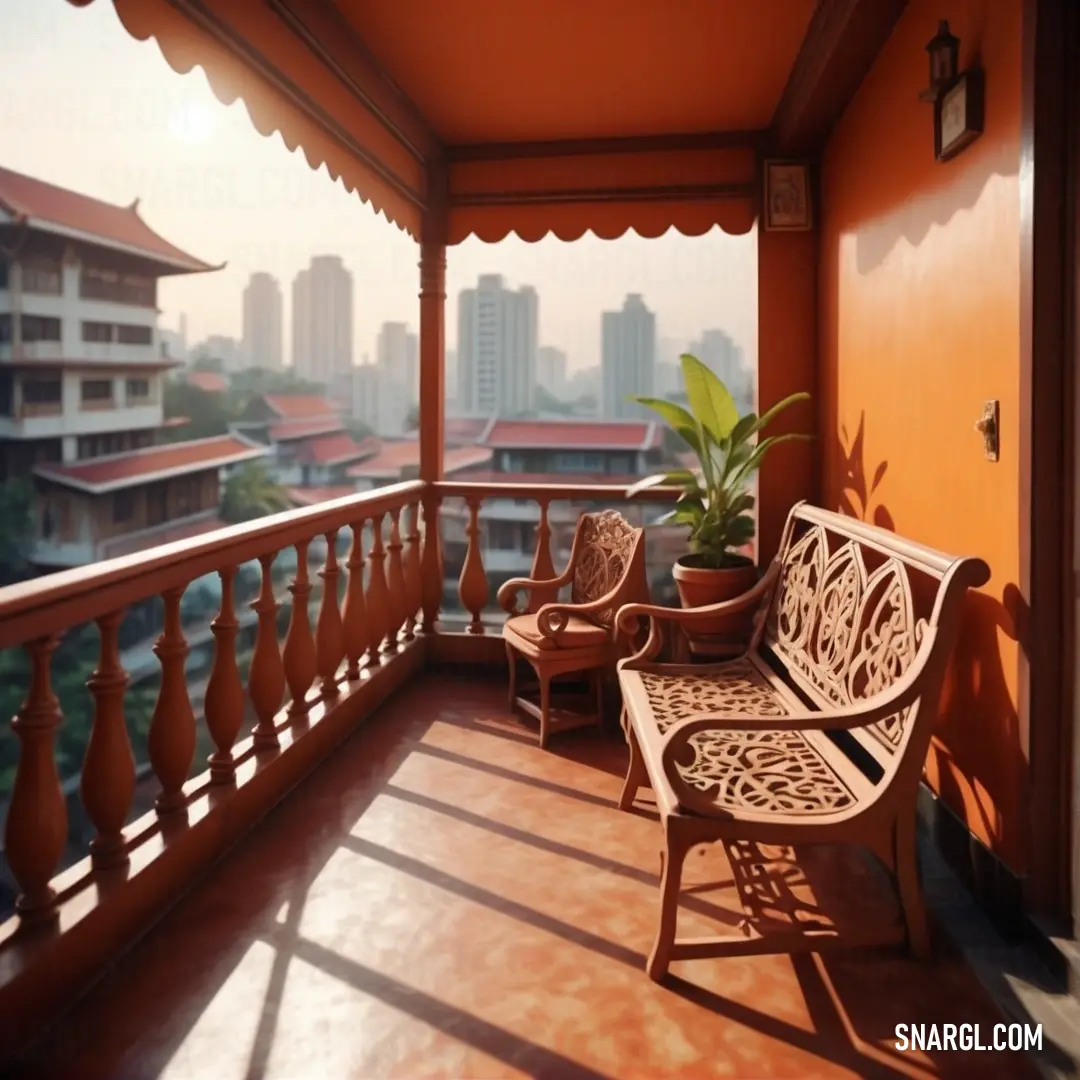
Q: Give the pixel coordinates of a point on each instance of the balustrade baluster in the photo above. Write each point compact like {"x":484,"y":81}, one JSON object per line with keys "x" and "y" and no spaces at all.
{"x":223,"y":703}
{"x":378,"y":618}
{"x":266,"y":676}
{"x":413,"y":583}
{"x":329,"y":635}
{"x":355,"y":620}
{"x":108,"y":775}
{"x":473,"y":586}
{"x":543,"y":569}
{"x":397,"y":601}
{"x":299,"y":652}
{"x":172,"y":728}
{"x":36,"y":827}
{"x":431,"y":566}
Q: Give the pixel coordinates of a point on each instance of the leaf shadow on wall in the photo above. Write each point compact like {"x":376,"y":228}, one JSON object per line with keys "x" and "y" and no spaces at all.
{"x":976,"y":744}
{"x":855,"y":493}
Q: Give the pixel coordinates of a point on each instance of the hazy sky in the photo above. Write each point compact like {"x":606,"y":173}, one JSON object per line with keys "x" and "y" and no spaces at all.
{"x":85,"y":106}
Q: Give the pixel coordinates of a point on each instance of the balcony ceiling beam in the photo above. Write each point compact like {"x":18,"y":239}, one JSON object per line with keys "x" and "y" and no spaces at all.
{"x":842,"y":41}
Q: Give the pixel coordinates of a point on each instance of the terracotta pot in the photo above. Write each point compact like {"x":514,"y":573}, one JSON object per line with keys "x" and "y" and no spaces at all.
{"x":699,"y":586}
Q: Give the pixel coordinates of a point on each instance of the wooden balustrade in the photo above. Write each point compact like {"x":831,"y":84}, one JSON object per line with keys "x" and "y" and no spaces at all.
{"x":34,"y":616}
{"x":357,"y":650}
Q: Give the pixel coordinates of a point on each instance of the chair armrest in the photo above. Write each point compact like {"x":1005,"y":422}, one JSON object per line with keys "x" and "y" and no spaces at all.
{"x":507,"y":594}
{"x":551,"y":619}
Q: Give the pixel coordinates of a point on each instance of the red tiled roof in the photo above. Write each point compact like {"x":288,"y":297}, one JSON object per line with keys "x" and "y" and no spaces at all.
{"x":393,"y":457}
{"x":167,"y":534}
{"x":463,"y":429}
{"x":114,"y":471}
{"x":333,"y":449}
{"x":303,"y":429}
{"x":490,"y":476}
{"x":299,"y":406}
{"x":209,"y":381}
{"x":574,"y":435}
{"x":309,"y":496}
{"x":46,"y":205}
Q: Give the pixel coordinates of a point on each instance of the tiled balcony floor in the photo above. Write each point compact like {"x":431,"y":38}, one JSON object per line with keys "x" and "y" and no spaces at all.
{"x":444,"y":899}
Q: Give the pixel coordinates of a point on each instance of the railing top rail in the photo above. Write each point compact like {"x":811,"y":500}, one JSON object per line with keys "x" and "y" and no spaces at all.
{"x":465,"y":489}
{"x":52,"y":604}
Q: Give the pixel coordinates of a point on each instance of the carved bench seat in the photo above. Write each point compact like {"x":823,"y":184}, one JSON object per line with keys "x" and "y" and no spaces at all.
{"x":819,"y":732}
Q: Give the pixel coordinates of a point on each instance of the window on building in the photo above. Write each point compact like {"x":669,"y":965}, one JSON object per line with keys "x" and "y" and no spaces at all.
{"x":42,"y":276}
{"x":4,"y":278}
{"x":96,"y":390}
{"x":7,"y":393}
{"x":576,"y":461}
{"x":97,"y":331}
{"x":5,"y":329}
{"x":39,"y":328}
{"x":123,"y":506}
{"x":186,"y":495}
{"x":41,"y":391}
{"x":138,"y":390}
{"x":96,"y":283}
{"x":134,"y":335}
{"x":157,"y":504}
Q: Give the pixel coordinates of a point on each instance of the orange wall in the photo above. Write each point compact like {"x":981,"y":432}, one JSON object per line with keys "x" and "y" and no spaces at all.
{"x":919,"y":322}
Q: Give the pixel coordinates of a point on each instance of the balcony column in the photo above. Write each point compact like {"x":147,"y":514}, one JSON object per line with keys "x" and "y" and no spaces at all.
{"x":432,"y":376}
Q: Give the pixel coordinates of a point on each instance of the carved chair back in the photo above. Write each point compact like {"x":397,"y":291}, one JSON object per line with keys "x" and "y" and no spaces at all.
{"x":851,"y":611}
{"x":608,"y":553}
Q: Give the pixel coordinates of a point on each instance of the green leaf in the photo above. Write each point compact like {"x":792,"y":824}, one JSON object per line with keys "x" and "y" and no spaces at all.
{"x":762,"y":448}
{"x":743,"y":429}
{"x":768,"y":416}
{"x":676,"y":478}
{"x":709,"y":399}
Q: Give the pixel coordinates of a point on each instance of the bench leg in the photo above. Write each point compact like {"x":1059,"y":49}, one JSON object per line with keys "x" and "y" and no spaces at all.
{"x":673,"y":856}
{"x":636,"y":775}
{"x":907,"y":879}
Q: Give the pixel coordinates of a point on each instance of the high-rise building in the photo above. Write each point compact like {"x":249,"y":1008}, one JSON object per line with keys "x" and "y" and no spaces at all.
{"x":551,"y":370}
{"x":397,"y":357}
{"x":628,"y":359}
{"x":262,"y":322}
{"x":496,"y":353}
{"x":323,"y":320}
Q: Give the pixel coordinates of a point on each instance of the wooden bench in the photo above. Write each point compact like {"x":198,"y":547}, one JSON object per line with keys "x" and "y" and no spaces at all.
{"x":853,"y":630}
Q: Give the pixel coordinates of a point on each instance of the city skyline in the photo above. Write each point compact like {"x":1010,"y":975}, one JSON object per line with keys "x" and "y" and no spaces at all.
{"x":95,"y":96}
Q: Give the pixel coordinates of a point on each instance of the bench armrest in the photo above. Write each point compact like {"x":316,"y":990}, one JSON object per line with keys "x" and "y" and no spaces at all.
{"x":551,"y":619}
{"x":626,"y":621}
{"x":507,"y":594}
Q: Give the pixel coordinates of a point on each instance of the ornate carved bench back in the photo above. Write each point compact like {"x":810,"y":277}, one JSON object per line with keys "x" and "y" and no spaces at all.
{"x":846,"y":623}
{"x":605,"y":553}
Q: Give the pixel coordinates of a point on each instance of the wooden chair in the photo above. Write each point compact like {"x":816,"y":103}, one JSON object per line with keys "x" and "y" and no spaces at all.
{"x":606,"y":569}
{"x":853,"y":631}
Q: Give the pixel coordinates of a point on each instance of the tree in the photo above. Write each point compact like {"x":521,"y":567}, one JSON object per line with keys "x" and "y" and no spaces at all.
{"x":16,"y":528}
{"x":250,"y":493}
{"x":209,"y":363}
{"x":207,"y":414}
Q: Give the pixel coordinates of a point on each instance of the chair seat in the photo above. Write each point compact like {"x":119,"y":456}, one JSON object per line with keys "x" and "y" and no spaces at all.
{"x":578,"y":633}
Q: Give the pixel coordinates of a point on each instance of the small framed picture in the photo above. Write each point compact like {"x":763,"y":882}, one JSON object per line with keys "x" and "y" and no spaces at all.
{"x":958,"y":115}
{"x":787,"y":196}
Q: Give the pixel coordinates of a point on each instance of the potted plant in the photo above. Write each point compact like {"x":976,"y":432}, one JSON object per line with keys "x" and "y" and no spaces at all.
{"x":716,"y":503}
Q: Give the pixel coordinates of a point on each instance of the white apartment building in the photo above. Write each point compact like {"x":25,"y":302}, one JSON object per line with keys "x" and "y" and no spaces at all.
{"x":81,"y":378}
{"x":376,"y":399}
{"x":551,"y":370}
{"x":322,"y":329}
{"x":397,"y":356}
{"x":262,"y":345}
{"x":497,"y":345}
{"x":628,"y":359}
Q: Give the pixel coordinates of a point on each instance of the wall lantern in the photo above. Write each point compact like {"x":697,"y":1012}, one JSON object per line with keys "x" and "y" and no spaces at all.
{"x":944,"y":51}
{"x":957,"y":96}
